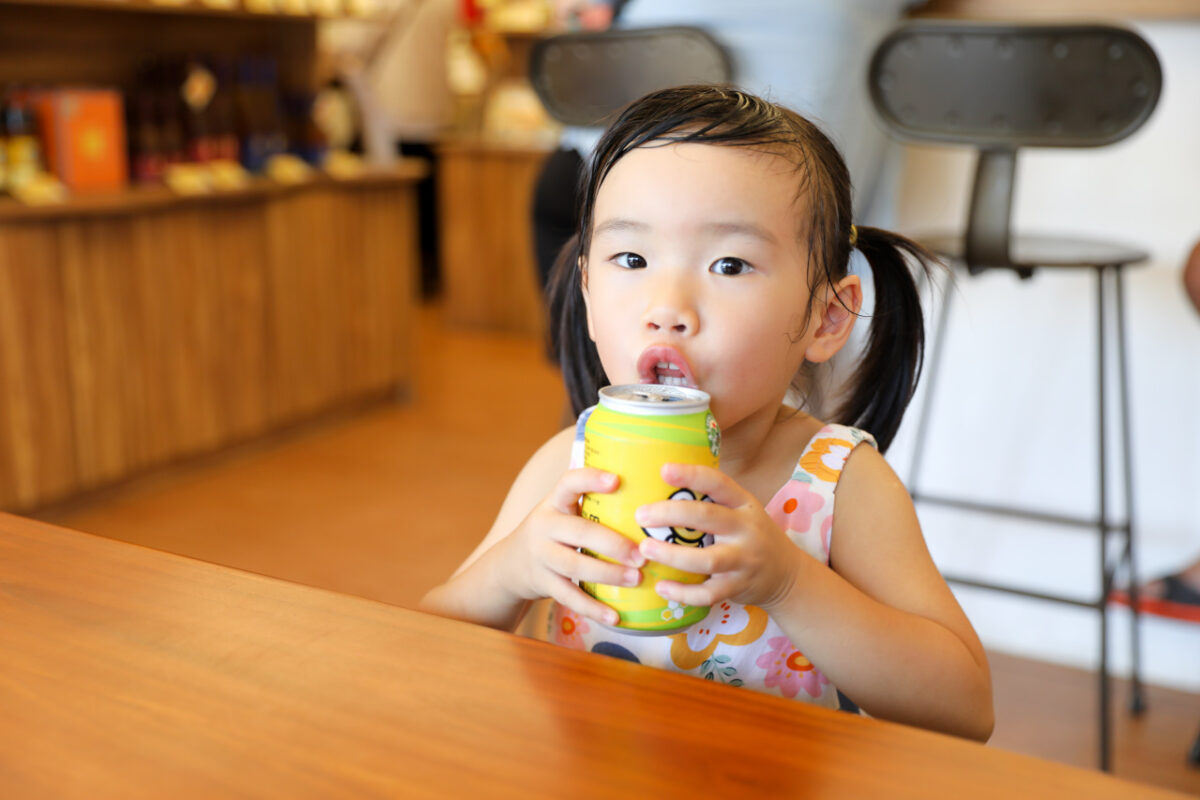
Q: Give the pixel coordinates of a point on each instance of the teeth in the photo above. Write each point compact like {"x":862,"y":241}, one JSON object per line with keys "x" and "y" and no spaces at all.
{"x":665,"y":380}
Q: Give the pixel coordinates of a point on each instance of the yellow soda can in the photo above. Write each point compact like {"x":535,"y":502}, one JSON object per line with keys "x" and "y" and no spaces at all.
{"x":633,"y":430}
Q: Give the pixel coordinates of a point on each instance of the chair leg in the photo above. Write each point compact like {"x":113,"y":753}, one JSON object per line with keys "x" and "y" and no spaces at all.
{"x":933,"y":368}
{"x":1105,"y":573}
{"x":1137,"y":700}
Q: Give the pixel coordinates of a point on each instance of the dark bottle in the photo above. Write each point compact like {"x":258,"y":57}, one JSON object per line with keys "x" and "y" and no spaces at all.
{"x":306,"y":138}
{"x":3,"y":146}
{"x":198,"y":89}
{"x":169,"y":110}
{"x":251,"y":123}
{"x":147,"y":162}
{"x":275,"y":126}
{"x":222,"y":113}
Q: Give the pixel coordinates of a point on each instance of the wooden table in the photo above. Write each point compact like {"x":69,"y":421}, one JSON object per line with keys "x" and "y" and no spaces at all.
{"x":126,"y":672}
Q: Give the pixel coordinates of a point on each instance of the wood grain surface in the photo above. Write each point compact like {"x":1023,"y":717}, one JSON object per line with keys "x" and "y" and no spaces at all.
{"x":134,"y":673}
{"x":135,"y":335}
{"x":485,"y":196}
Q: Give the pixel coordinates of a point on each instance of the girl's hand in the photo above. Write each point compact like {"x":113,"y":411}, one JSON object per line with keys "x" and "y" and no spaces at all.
{"x":751,"y":562}
{"x":542,"y":554}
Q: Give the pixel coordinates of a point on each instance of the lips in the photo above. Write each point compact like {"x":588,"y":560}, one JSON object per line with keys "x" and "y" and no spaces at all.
{"x":664,"y":365}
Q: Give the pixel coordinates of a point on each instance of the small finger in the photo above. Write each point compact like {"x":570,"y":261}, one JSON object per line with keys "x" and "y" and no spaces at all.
{"x":708,"y":593}
{"x":689,"y":515}
{"x":706,"y":481}
{"x":601,"y":540}
{"x":571,"y":596}
{"x":701,"y":560}
{"x":578,"y":566}
{"x":577,"y":482}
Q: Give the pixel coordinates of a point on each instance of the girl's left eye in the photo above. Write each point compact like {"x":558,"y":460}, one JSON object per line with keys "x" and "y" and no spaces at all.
{"x":728,"y":265}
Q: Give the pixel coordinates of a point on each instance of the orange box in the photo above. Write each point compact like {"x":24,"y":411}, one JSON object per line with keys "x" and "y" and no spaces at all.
{"x":83,"y":133}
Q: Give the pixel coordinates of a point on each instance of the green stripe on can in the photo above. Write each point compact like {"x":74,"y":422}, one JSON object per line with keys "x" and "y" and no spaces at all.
{"x":689,"y":431}
{"x":651,"y":619}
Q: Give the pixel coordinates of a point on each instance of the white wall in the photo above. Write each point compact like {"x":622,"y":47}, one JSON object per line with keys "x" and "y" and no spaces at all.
{"x":1015,"y":412}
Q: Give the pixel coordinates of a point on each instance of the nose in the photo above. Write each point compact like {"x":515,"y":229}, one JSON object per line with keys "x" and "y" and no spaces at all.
{"x":671,"y":310}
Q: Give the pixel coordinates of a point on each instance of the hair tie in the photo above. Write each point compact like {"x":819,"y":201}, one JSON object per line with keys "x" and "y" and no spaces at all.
{"x":853,"y":236}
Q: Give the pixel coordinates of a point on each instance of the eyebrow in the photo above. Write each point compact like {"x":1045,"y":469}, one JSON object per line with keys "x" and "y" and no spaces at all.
{"x":620,"y":225}
{"x":742,"y":229}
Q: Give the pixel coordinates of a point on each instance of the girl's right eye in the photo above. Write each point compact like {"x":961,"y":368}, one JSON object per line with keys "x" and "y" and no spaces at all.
{"x":629,"y":261}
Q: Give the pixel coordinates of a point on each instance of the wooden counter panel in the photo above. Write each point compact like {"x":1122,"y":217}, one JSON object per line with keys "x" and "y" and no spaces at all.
{"x":382,"y":331}
{"x":145,"y":337}
{"x":485,"y":201}
{"x":37,"y":456}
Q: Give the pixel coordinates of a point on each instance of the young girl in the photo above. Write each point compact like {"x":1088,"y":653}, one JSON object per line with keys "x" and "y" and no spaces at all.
{"x":713,"y":249}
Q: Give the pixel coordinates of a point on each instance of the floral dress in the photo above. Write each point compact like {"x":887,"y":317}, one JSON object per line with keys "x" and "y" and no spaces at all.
{"x":740,"y":644}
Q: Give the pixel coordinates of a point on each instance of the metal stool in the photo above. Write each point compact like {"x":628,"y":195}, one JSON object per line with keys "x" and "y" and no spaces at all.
{"x":999,"y":87}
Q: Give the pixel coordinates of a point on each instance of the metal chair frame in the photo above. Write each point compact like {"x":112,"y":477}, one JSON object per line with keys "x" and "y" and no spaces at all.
{"x":1046,"y":86}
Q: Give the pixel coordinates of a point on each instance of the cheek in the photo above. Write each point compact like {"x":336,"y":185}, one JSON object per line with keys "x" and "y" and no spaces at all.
{"x":763,"y":358}
{"x":606,"y":333}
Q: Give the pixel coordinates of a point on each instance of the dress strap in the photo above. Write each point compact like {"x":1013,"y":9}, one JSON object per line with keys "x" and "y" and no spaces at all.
{"x":826,"y":453}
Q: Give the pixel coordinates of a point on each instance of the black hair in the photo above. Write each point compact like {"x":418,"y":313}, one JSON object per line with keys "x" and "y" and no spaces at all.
{"x":886,"y":377}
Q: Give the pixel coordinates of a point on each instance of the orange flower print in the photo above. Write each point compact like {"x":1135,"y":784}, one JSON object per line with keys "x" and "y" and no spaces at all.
{"x":825,"y":458}
{"x":727,"y":622}
{"x":788,"y":669}
{"x":569,"y":628}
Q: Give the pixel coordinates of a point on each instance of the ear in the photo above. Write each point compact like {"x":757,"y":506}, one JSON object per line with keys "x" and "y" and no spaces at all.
{"x":587,"y":303}
{"x":837,"y":307}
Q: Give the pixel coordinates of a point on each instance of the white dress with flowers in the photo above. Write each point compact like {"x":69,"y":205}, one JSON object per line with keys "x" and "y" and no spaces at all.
{"x":736,"y":644}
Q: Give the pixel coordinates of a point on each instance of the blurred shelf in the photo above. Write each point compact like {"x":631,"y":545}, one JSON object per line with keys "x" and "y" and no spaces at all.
{"x":151,"y":198}
{"x":235,"y":10}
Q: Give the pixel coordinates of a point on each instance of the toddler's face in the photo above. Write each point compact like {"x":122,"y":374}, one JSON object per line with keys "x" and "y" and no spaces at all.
{"x":696,"y":274}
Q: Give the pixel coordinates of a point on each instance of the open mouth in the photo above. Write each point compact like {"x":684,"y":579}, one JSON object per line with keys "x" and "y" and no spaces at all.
{"x":665,"y":366}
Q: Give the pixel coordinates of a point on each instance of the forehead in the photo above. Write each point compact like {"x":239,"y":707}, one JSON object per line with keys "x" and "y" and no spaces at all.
{"x":703,"y":180}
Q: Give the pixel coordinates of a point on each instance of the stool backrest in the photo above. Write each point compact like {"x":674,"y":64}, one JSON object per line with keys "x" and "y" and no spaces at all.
{"x":583,"y":78}
{"x":999,"y":87}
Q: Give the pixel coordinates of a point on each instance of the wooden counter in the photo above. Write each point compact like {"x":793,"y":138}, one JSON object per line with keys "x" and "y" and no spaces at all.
{"x":141,"y":328}
{"x":485,"y":197}
{"x":127,"y":672}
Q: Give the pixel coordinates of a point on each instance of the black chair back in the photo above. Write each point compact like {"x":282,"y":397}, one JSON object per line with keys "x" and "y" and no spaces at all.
{"x":999,"y":87}
{"x":583,"y":78}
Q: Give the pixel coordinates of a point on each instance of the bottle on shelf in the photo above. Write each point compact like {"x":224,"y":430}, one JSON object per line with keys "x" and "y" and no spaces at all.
{"x":306,"y":138}
{"x":23,"y":146}
{"x":223,"y":113}
{"x":198,"y":89}
{"x":3,"y":147}
{"x":271,"y":97}
{"x":252,"y":120}
{"x":147,"y":160}
{"x":170,"y":112}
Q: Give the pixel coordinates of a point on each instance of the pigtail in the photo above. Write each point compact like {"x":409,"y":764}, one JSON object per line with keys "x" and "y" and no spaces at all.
{"x":887,"y":374}
{"x":569,"y":341}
